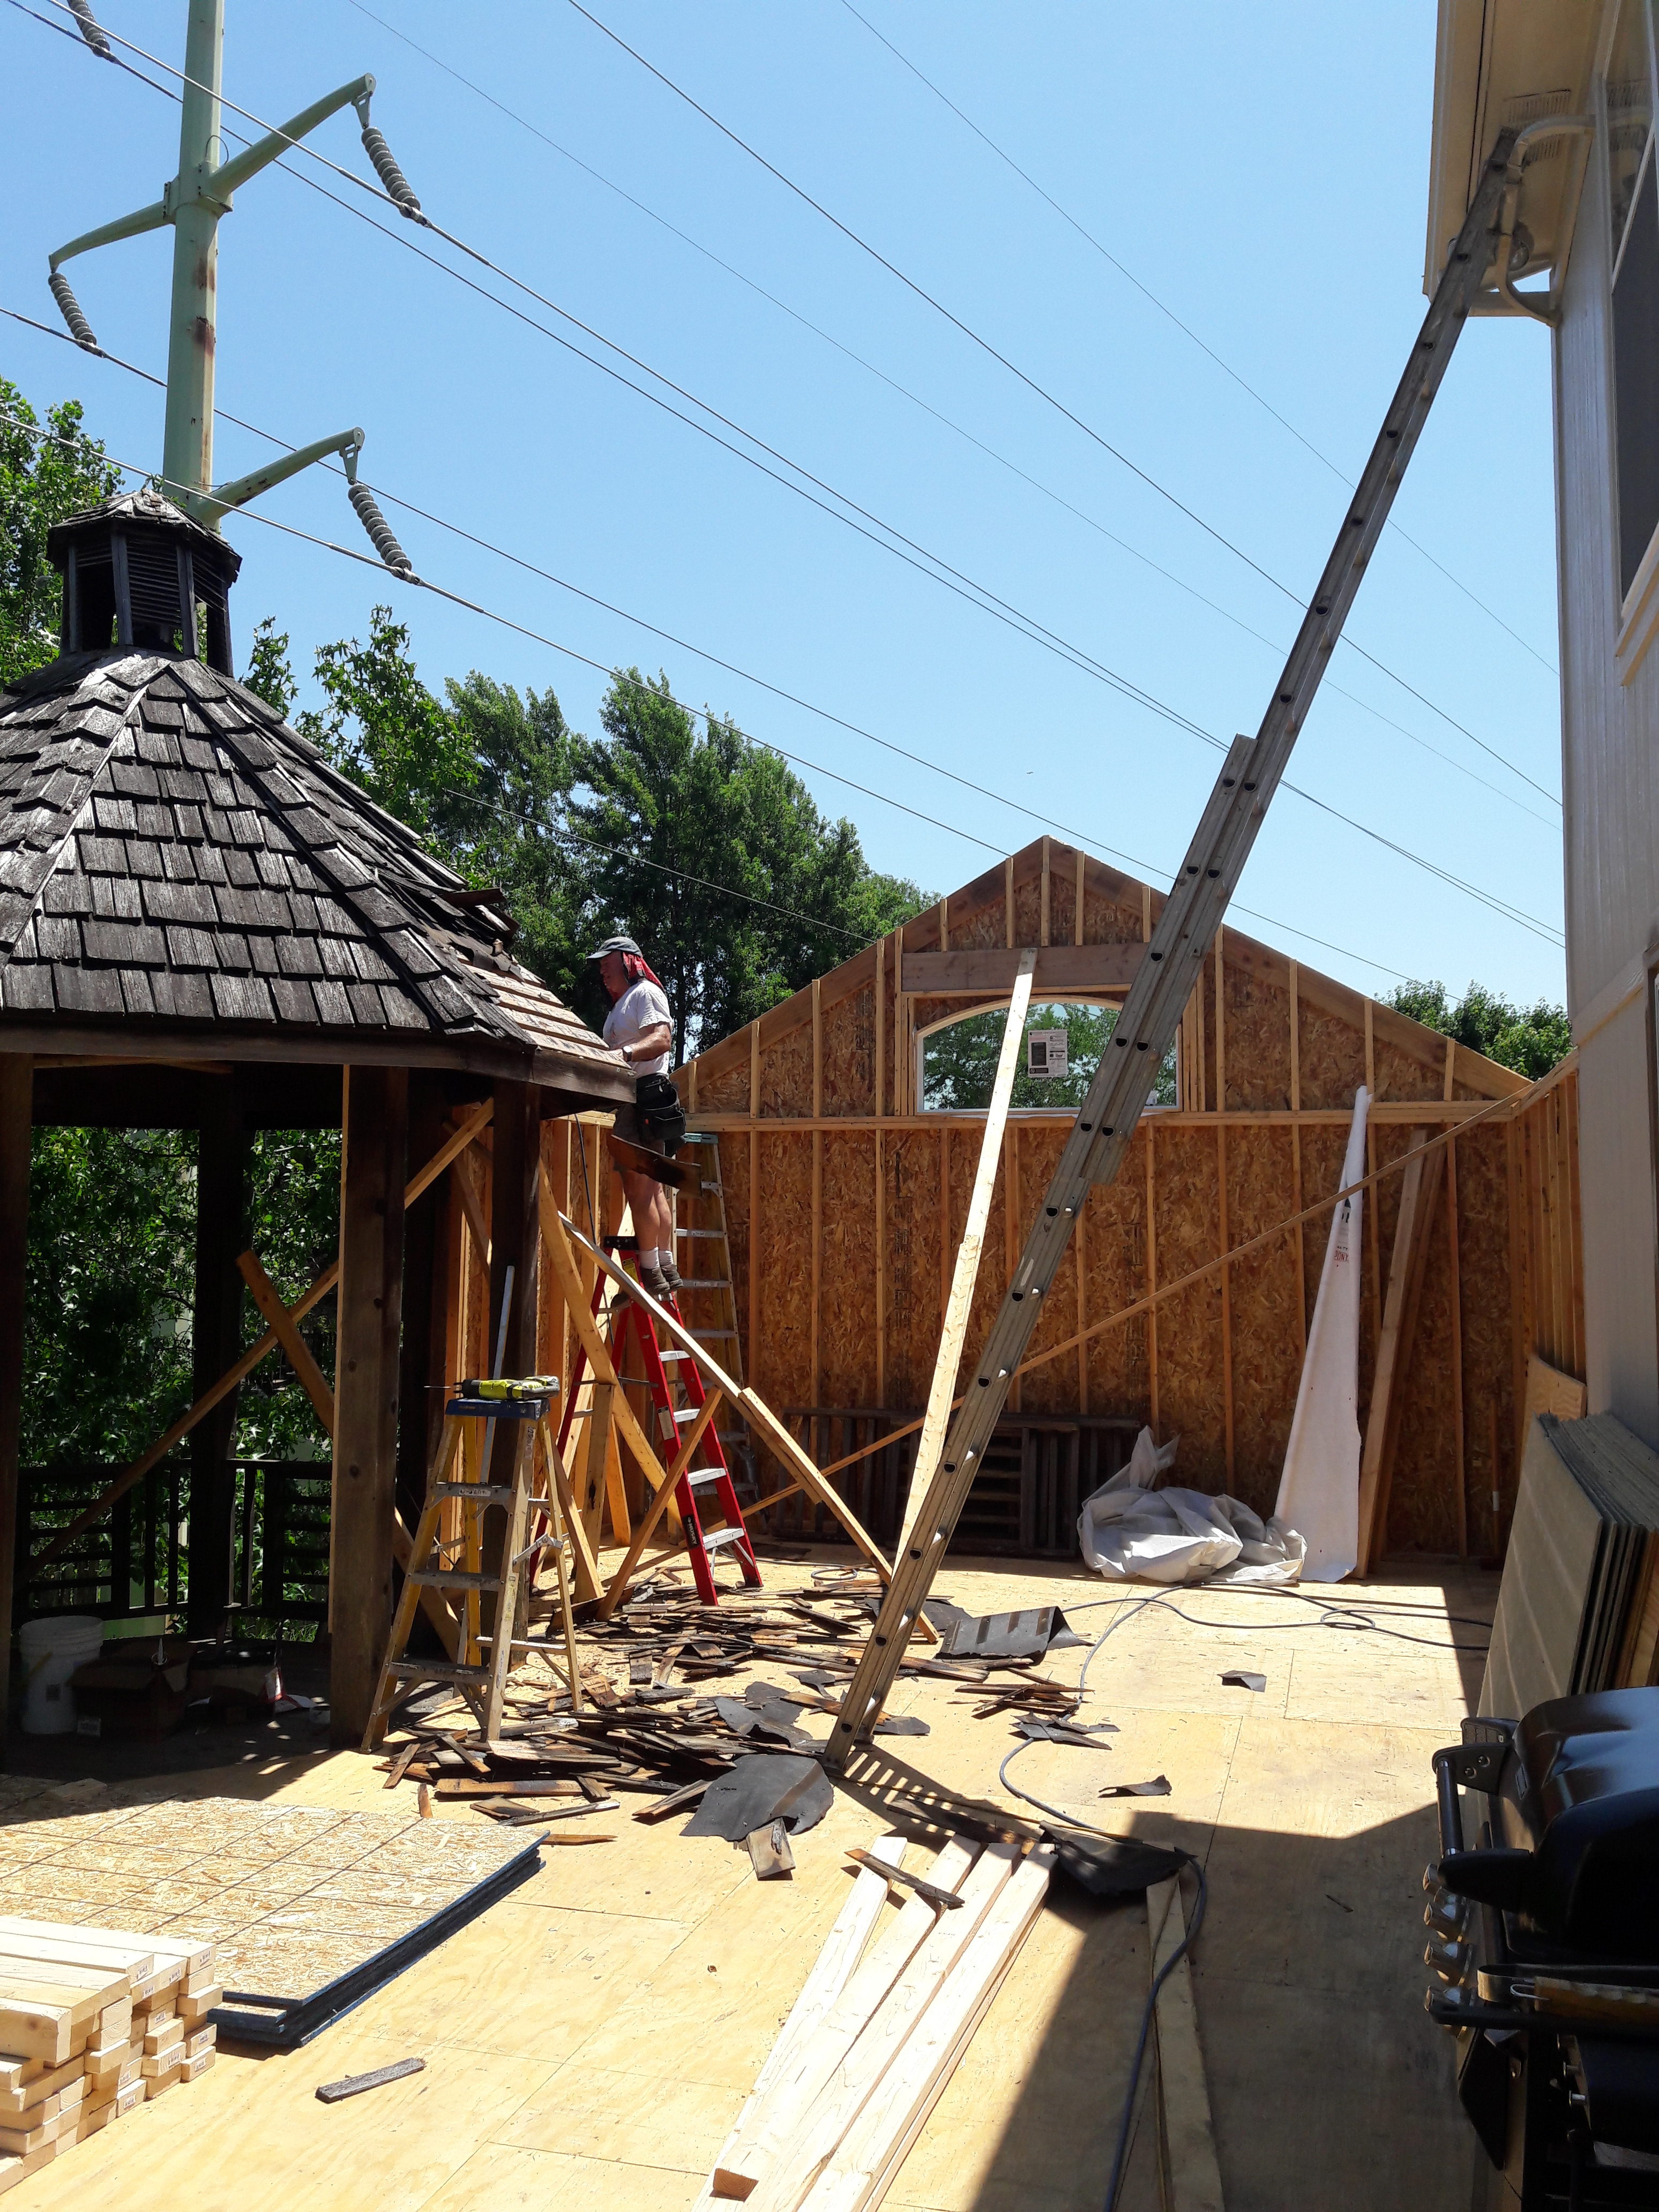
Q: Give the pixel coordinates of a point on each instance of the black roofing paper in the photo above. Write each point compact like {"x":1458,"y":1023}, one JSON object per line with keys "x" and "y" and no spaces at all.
{"x":764,"y":1787}
{"x":1107,"y":1866}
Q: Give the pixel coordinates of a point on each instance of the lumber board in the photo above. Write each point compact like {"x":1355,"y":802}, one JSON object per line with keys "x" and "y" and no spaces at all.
{"x":965,"y":1273}
{"x":775,"y":2111}
{"x":973,"y":972}
{"x":1419,"y":1189}
{"x":873,"y":2148}
{"x":856,"y":2073}
{"x":830,"y":1973}
{"x":1192,"y":2173}
{"x":268,"y":1300}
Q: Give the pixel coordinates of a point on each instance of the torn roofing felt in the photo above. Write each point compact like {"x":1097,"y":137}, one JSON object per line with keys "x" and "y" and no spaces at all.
{"x":176,"y":861}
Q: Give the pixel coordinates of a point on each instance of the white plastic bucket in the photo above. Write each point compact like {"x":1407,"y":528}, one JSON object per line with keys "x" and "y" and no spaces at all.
{"x":52,"y":1649}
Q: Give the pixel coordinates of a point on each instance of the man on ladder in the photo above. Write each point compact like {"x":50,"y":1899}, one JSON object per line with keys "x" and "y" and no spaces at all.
{"x":641,"y":1028}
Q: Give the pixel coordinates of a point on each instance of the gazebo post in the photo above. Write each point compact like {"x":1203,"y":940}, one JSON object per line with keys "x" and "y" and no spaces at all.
{"x":375,"y":1128}
{"x":420,"y":1413}
{"x":16,"y":1118}
{"x":514,"y":1242}
{"x":221,"y":1165}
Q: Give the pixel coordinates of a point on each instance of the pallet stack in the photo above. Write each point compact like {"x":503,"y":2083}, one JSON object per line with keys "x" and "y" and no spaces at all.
{"x":92,"y":2022}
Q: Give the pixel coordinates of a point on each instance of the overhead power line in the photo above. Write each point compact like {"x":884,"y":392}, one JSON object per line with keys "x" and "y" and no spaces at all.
{"x":1185,"y":328}
{"x":958,"y":430}
{"x":699,"y":713}
{"x":941,"y":571}
{"x":1031,"y":383}
{"x":1000,"y":610}
{"x":1500,"y":906}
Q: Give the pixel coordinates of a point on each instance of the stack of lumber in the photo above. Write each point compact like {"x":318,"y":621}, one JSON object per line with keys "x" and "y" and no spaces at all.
{"x":92,"y":2022}
{"x":1579,"y":1607}
{"x":885,"y":2015}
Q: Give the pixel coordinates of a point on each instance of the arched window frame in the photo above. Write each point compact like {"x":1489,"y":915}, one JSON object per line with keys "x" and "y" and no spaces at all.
{"x":996,"y":1005}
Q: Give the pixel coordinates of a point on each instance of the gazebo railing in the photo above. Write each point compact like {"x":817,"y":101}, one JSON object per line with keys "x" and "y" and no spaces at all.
{"x":134,"y":1562}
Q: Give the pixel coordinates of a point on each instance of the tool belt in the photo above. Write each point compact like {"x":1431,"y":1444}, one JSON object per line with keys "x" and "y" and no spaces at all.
{"x":657,"y":1105}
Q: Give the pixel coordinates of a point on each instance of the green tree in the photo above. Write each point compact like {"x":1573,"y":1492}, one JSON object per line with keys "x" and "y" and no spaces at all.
{"x":1531,"y":1040}
{"x":381,"y":726}
{"x":41,"y":481}
{"x":710,"y":851}
{"x":959,"y":1062}
{"x":268,"y":671}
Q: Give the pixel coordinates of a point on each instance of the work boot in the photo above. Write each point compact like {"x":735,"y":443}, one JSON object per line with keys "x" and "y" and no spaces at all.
{"x":654,"y":1280}
{"x":672,"y":1276}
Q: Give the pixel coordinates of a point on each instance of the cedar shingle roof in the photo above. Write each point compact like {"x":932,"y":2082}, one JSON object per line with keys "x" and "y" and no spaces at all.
{"x":175,"y":860}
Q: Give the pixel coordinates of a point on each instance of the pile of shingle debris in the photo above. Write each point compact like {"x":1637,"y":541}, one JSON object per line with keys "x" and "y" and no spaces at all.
{"x":648,"y":1723}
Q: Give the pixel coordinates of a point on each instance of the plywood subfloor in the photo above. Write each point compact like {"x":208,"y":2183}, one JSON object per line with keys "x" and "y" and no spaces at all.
{"x":589,"y":2039}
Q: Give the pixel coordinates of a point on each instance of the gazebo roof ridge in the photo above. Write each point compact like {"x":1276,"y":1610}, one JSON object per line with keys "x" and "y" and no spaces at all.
{"x":175,"y":857}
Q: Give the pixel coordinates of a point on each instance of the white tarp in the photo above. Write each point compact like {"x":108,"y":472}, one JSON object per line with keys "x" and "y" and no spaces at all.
{"x":1132,"y":1532}
{"x":1319,"y":1490}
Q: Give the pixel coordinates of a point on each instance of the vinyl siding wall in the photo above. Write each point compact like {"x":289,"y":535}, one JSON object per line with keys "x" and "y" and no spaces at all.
{"x":1611,"y":798}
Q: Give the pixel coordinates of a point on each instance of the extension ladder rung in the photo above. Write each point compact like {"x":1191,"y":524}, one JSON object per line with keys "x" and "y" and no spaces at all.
{"x":435,"y":1670}
{"x":452,"y":1579}
{"x":487,"y":1493}
{"x":703,"y":1334}
{"x":714,"y":1187}
{"x":715,"y":1233}
{"x":704,"y":1282}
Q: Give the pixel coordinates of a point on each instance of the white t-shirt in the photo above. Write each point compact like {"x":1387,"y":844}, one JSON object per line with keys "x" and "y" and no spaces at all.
{"x":641,"y":1006}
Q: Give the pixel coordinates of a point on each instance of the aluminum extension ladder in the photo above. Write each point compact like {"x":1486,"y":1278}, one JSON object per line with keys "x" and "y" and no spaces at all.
{"x":675,"y":1405}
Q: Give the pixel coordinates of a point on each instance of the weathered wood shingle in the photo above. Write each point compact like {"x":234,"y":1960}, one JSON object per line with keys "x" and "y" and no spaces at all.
{"x":174,"y":856}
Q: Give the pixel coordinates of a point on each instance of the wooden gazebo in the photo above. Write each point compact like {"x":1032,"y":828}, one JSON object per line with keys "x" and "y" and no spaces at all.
{"x":203,"y":925}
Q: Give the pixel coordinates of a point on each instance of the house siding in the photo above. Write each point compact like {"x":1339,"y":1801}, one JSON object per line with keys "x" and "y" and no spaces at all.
{"x":1610,"y":794}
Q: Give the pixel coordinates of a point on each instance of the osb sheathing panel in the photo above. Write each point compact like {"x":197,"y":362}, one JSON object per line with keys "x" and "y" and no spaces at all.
{"x":846,"y":1338}
{"x":1052,"y":1388}
{"x":1402,"y":1075}
{"x":734,"y":1181}
{"x":1333,"y":1057}
{"x":1028,"y":911}
{"x":1423,"y":1500}
{"x":1115,"y":1276}
{"x":783,"y":1336}
{"x":786,"y":1084}
{"x":1488,"y":1341}
{"x":849,"y":1055}
{"x":1267,"y":1334}
{"x":912,"y":1264}
{"x":983,"y":924}
{"x":1108,"y":920}
{"x":1062,"y":900}
{"x":1185,"y":1188}
{"x":1257,"y":1016}
{"x":724,"y":1092}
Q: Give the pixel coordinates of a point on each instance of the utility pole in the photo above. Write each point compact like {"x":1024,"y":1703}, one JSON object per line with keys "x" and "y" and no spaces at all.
{"x":195,"y":203}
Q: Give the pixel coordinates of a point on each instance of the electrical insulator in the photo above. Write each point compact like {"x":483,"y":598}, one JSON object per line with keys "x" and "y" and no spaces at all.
{"x":80,"y":328}
{"x":91,"y":30}
{"x":397,"y":185}
{"x":380,"y":530}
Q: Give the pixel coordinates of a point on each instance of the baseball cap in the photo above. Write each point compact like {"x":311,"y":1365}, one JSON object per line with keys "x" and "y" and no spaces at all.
{"x":616,"y":945}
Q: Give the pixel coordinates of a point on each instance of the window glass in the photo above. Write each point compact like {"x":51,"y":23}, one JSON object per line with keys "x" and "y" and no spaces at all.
{"x":1630,"y":112}
{"x":959,"y":1062}
{"x":1635,"y":354}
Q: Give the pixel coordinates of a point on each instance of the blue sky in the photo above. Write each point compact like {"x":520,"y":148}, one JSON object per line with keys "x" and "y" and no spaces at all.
{"x":1262,"y":172}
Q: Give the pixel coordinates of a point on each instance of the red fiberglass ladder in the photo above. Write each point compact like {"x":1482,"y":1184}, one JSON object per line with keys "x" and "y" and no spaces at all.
{"x":676,"y":1404}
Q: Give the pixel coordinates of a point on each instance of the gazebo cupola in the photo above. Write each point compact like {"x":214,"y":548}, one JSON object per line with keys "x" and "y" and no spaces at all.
{"x":135,"y":572}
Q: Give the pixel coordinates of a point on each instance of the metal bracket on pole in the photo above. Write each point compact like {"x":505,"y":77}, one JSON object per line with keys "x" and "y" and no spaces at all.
{"x":1186,"y":929}
{"x":195,"y":202}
